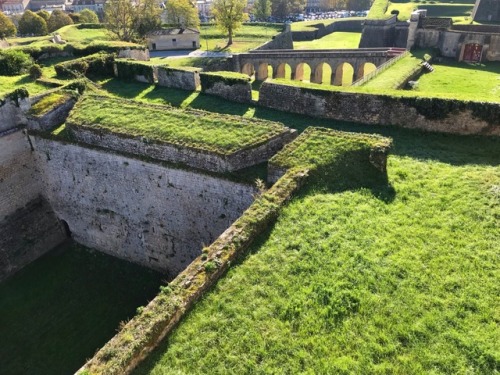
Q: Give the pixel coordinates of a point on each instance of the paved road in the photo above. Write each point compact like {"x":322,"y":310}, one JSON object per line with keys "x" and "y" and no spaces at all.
{"x":188,"y":53}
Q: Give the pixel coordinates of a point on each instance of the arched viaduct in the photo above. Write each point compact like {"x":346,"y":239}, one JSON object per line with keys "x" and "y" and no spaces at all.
{"x":360,"y":60}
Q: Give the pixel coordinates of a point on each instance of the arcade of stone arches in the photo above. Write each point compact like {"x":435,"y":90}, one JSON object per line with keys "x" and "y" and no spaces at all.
{"x":343,"y":74}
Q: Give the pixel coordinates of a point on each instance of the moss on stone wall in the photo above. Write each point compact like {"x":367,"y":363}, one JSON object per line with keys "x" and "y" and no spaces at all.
{"x":128,"y":70}
{"x":209,"y":79}
{"x":99,"y":64}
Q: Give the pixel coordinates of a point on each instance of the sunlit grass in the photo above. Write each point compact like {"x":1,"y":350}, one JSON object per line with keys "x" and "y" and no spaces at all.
{"x":337,"y":40}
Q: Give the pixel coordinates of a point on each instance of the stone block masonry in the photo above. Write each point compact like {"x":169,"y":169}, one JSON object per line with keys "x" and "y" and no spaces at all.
{"x":196,"y":158}
{"x":12,"y":113}
{"x":178,"y":78}
{"x":28,"y":227}
{"x":429,"y":114}
{"x":142,"y":212}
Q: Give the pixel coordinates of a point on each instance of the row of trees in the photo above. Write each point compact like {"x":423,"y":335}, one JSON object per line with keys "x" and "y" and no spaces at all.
{"x":42,"y":22}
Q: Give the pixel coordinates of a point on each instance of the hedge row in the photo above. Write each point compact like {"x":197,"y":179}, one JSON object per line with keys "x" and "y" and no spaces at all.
{"x":127,"y":70}
{"x":99,"y":64}
{"x":208,"y":79}
{"x":77,"y":50}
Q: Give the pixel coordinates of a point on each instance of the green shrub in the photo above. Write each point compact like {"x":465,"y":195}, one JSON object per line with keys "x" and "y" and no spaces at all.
{"x":13,"y":62}
{"x":99,"y":64}
{"x":35,"y":71}
{"x":127,"y":70}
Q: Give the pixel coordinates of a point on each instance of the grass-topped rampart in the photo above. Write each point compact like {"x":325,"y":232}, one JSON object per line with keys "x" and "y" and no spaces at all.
{"x":209,"y":79}
{"x":50,"y":101}
{"x":203,"y":130}
{"x":378,"y":10}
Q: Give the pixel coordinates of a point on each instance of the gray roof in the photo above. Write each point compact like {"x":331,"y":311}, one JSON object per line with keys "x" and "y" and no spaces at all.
{"x":174,"y":31}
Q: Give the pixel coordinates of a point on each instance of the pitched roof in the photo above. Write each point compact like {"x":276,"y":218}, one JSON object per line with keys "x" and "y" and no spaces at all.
{"x":174,"y":31}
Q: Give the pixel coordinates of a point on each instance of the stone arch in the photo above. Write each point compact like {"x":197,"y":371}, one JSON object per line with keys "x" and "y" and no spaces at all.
{"x":344,"y":73}
{"x":248,"y":69}
{"x":364,"y":69}
{"x":283,"y":71}
{"x":263,"y":72}
{"x":302,"y":72}
{"x":322,"y":74}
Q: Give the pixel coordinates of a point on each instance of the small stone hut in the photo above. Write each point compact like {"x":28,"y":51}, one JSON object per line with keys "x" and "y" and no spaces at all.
{"x":175,"y":38}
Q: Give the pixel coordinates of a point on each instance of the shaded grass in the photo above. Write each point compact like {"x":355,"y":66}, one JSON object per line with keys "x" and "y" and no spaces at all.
{"x":58,"y":310}
{"x":350,"y":283}
{"x":337,"y":40}
{"x":315,"y":24}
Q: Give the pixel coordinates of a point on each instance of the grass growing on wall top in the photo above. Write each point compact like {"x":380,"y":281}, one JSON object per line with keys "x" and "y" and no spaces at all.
{"x":49,"y":102}
{"x":364,"y":282}
{"x":203,"y":130}
{"x":315,"y":24}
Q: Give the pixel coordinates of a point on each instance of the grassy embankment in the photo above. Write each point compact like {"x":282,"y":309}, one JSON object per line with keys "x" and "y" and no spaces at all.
{"x":381,"y":280}
{"x":202,"y":130}
{"x":60,"y":309}
{"x":337,"y":40}
{"x":459,"y":11}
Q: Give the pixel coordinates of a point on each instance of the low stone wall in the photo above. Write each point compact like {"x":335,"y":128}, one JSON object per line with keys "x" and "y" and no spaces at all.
{"x":131,"y":70}
{"x":178,"y":78}
{"x":12,"y":112}
{"x":143,"y":212}
{"x":430,"y":114}
{"x":27,"y":234}
{"x":234,"y":89}
{"x":121,"y":355}
{"x":52,"y":118}
{"x":135,"y":54}
{"x":192,"y":157}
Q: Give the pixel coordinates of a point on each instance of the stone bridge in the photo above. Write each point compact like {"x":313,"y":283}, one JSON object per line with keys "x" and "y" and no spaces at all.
{"x":311,"y":65}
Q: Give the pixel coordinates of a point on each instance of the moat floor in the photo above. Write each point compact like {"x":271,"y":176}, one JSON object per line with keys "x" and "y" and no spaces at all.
{"x":56,"y":312}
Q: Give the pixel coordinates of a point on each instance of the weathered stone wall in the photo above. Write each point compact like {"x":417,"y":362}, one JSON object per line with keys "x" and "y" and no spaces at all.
{"x":178,"y":78}
{"x":195,"y":158}
{"x":28,"y":228}
{"x":147,"y":213}
{"x":430,"y":114}
{"x":12,"y":113}
{"x":241,"y":93}
{"x":27,"y":234}
{"x":135,"y":54}
{"x":52,"y":118}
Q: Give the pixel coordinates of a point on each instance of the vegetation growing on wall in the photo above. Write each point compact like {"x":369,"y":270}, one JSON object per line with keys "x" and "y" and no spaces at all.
{"x":159,"y":317}
{"x":99,"y":64}
{"x":127,"y":70}
{"x":338,"y":157}
{"x":50,"y":101}
{"x":14,"y":62}
{"x":378,"y":10}
{"x":201,"y":130}
{"x":209,"y":79}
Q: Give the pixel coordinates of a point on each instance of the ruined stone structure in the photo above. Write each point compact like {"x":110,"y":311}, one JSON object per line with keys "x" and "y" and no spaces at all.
{"x":258,"y":62}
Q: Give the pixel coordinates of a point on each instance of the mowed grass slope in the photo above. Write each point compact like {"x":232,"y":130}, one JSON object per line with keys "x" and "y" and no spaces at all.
{"x":364,"y":281}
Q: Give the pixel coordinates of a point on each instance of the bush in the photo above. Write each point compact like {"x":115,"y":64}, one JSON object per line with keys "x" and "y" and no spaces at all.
{"x":99,"y":64}
{"x":14,"y":62}
{"x":35,"y":71}
{"x":127,"y":70}
{"x":7,"y":28}
{"x":32,"y":24}
{"x":88,"y":16}
{"x":58,"y":19}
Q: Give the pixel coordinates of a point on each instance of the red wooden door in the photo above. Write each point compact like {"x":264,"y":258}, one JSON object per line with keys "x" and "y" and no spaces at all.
{"x":472,"y":52}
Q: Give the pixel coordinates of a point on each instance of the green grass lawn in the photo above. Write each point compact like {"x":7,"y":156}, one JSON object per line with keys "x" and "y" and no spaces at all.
{"x":59,"y":310}
{"x":10,"y":83}
{"x":337,"y":40}
{"x":468,"y":81}
{"x":364,"y":281}
{"x":205,"y":131}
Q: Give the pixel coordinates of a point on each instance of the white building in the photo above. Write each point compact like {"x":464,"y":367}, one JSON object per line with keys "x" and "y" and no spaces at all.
{"x":14,"y":6}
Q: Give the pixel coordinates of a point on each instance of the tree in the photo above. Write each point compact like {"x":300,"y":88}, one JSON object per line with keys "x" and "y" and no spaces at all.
{"x":88,"y":16}
{"x":229,"y":16}
{"x":284,"y":8}
{"x":119,"y":16}
{"x":7,"y":27}
{"x":58,"y":19}
{"x":31,"y":23}
{"x":44,"y":14}
{"x":75,"y":17}
{"x":182,"y":13}
{"x":147,"y":17}
{"x":262,"y":9}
